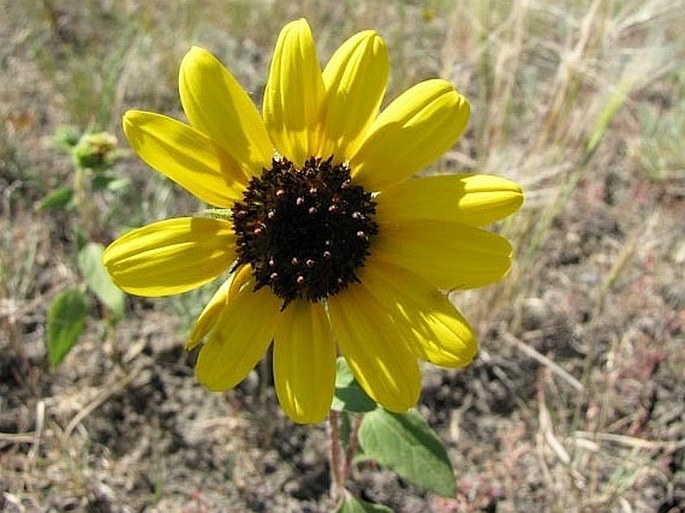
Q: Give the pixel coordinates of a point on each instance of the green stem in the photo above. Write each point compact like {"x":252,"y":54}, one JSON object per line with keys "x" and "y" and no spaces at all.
{"x":352,"y":445}
{"x":84,"y":202}
{"x":337,"y":476}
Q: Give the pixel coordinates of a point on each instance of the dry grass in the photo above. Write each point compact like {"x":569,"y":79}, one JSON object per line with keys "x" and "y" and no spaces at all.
{"x":576,"y":403}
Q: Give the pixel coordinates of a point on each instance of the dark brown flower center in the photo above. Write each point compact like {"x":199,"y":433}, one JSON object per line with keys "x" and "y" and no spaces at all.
{"x":304,"y":232}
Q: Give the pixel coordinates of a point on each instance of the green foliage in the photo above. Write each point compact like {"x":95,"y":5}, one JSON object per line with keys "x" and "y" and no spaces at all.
{"x":66,"y":318}
{"x":351,"y":504}
{"x":403,"y":443}
{"x":90,"y":263}
{"x":614,"y":103}
{"x":92,"y":155}
{"x":59,"y":198}
{"x":406,"y":444}
{"x":96,"y":151}
{"x":104,"y":181}
{"x":349,"y":396}
{"x":66,"y":137}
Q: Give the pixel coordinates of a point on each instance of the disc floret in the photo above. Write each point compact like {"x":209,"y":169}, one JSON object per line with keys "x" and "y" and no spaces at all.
{"x":304,"y":231}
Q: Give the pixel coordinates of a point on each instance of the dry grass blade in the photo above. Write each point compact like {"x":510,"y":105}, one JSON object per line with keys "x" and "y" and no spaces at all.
{"x":537,"y":356}
{"x":630,"y":441}
{"x":112,"y":387}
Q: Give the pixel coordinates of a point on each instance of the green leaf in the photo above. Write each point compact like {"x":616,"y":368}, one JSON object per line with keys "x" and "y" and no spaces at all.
{"x":58,"y":198}
{"x":349,"y":396}
{"x":66,"y":137}
{"x":101,"y":181}
{"x":66,"y":318}
{"x":406,"y":444}
{"x":90,"y":263}
{"x":353,"y":505}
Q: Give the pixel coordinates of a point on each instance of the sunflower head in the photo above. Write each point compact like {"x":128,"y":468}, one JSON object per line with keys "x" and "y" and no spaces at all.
{"x":331,"y":248}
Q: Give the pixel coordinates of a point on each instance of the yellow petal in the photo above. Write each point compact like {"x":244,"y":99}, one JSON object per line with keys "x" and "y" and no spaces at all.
{"x":437,"y":331}
{"x":473,"y":199}
{"x":210,"y":314}
{"x":413,"y":131}
{"x":304,"y":362}
{"x":449,"y":255}
{"x":219,"y":107}
{"x":294,"y":94}
{"x":374,"y":349}
{"x":186,"y":156}
{"x":239,"y":338}
{"x":171,"y":256}
{"x":355,"y":80}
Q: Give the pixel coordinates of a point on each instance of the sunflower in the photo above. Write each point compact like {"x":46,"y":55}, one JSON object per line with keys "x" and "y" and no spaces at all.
{"x":328,"y":245}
